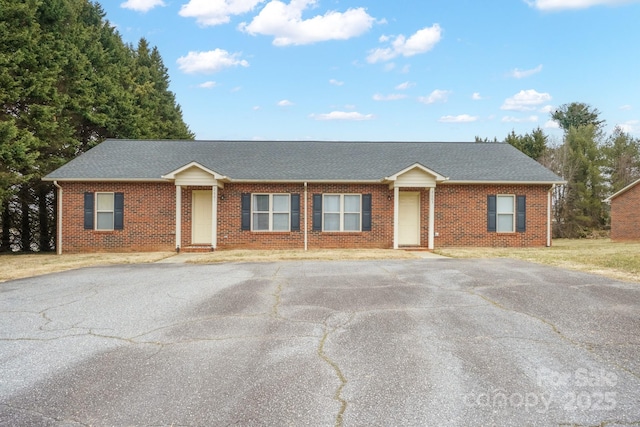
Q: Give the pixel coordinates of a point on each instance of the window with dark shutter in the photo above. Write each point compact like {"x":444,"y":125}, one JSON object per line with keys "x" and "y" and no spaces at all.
{"x":317,"y":212}
{"x":366,"y":212}
{"x":491,"y":213}
{"x":118,"y":211}
{"x":295,"y":212}
{"x":246,"y":211}
{"x":88,"y":211}
{"x":521,"y":214}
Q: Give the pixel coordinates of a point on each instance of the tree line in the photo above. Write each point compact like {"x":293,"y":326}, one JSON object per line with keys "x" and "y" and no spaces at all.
{"x":595,"y":165}
{"x":67,"y":82}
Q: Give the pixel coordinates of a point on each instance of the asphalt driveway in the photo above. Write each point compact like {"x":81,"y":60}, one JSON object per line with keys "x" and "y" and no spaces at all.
{"x":368,"y":343}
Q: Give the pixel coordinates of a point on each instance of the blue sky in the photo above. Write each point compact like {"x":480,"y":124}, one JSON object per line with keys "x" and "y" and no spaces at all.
{"x":407,"y":70}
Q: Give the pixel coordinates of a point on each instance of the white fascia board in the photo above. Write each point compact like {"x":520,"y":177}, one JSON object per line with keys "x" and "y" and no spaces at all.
{"x":438,"y":177}
{"x":624,"y":190}
{"x":505,"y":182}
{"x":172,"y":174}
{"x":302,"y":181}
{"x":106,"y":179}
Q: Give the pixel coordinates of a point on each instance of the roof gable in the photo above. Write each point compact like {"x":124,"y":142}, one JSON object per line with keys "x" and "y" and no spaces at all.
{"x":624,"y":190}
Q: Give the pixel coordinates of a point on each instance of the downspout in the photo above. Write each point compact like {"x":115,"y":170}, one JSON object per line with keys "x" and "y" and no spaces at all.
{"x":306,"y":238}
{"x":549,"y":214}
{"x":59,"y":225}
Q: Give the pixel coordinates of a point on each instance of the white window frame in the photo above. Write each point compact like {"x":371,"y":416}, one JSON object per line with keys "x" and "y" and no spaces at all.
{"x":342,"y":212}
{"x":112,"y":211}
{"x":270,"y":212}
{"x":512,"y":213}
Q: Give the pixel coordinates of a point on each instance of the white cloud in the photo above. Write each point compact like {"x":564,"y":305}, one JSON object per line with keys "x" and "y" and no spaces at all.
{"x":520,"y":74}
{"x":390,"y":66}
{"x":141,"y":5}
{"x":510,"y":119}
{"x":284,"y":22}
{"x":422,"y":41}
{"x":342,"y":115}
{"x":435,"y":96}
{"x":210,"y":62}
{"x":626,"y":107}
{"x":476,"y":96}
{"x":552,"y":124}
{"x":462,"y":118}
{"x":405,"y":86}
{"x":285,"y":103}
{"x":525,"y":100}
{"x":390,"y":97}
{"x":630,"y":126}
{"x":548,"y":109}
{"x":256,"y":108}
{"x":555,"y":5}
{"x":216,"y":12}
{"x":207,"y":85}
{"x":336,"y":82}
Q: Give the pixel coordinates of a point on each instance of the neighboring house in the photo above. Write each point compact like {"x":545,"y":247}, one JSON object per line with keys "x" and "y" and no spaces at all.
{"x":128,"y":195}
{"x":625,"y":217}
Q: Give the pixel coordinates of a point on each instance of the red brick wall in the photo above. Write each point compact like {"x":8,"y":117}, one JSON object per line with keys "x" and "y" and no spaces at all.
{"x":149,"y":217}
{"x":625,"y":215}
{"x":461,"y":216}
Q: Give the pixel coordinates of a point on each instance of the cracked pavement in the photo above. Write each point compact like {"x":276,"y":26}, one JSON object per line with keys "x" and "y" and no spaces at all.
{"x":405,"y":342}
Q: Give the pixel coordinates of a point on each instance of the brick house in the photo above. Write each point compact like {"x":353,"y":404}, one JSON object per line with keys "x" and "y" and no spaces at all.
{"x":131,"y":195}
{"x":625,"y":220}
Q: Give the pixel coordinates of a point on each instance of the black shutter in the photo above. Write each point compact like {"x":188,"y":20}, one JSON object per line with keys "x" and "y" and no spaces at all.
{"x":366,"y":212}
{"x":295,"y":212}
{"x":88,"y":211}
{"x":118,"y":211}
{"x":521,"y":214}
{"x":317,"y":212}
{"x":491,"y":213}
{"x":246,"y":211}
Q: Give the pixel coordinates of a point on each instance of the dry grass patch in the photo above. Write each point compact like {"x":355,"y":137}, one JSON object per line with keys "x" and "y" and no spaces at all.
{"x":600,"y":256}
{"x":17,"y":266}
{"x":293,"y":255}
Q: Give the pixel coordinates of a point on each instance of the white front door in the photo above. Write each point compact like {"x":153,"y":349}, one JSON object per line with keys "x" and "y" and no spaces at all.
{"x":409,"y":219}
{"x":201,"y":217}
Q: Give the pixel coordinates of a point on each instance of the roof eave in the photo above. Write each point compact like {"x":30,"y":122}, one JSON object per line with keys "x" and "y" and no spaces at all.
{"x":624,"y":190}
{"x":505,"y":182}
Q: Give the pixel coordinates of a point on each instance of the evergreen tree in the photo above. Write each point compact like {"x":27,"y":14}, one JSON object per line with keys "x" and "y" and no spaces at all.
{"x":622,"y":159}
{"x":67,"y":81}
{"x":532,"y":144}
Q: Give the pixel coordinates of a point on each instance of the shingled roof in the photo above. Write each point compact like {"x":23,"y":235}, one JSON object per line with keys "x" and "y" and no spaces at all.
{"x":303,"y":161}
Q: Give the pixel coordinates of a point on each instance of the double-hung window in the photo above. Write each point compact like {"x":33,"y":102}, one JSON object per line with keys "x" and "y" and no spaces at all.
{"x":505,"y":213}
{"x":342,"y":212}
{"x":271,"y":212}
{"x":104,"y":211}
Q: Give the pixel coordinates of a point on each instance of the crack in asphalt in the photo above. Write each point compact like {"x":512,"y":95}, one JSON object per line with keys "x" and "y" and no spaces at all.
{"x":336,"y":368}
{"x":583,"y":345}
{"x":43,"y":415}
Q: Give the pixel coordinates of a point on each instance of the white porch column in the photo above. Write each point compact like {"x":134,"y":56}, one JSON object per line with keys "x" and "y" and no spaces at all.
{"x":396,"y":211}
{"x":431,"y":216}
{"x":178,"y":216}
{"x":214,"y":216}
